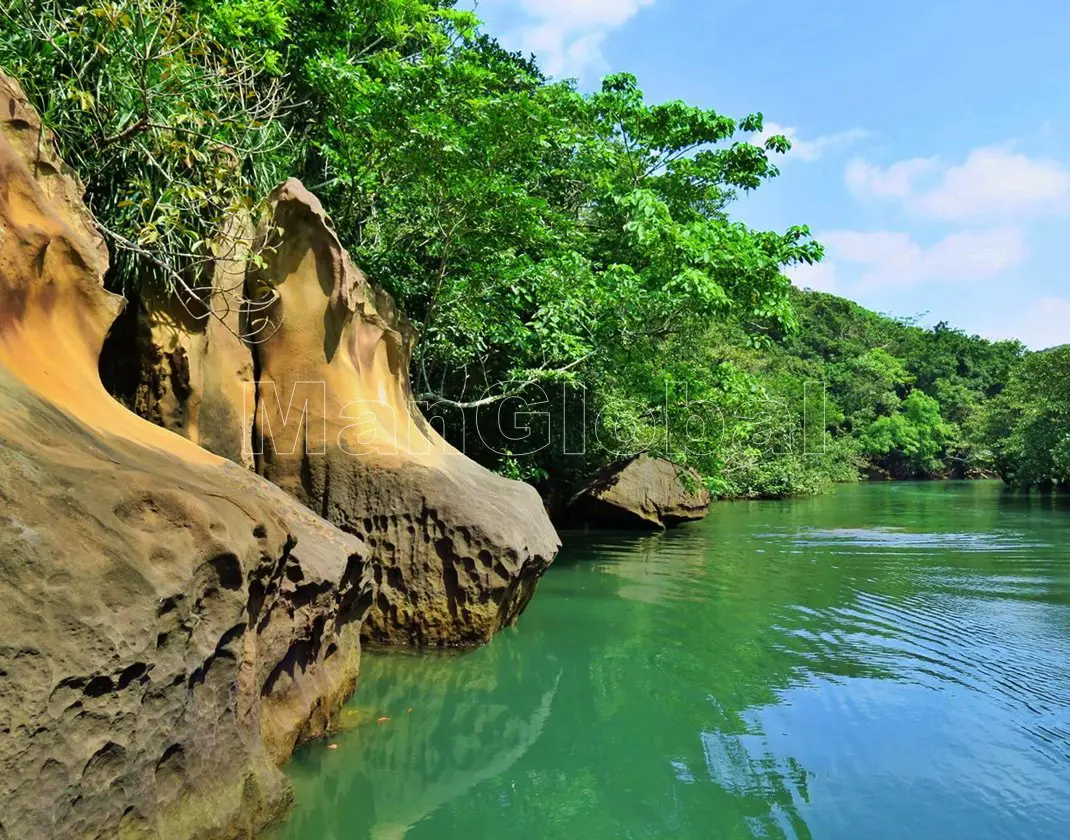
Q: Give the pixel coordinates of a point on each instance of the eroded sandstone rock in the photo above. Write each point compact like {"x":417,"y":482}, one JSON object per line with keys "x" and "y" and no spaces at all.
{"x":180,"y":360}
{"x":172,"y":625}
{"x":457,"y":550}
{"x":642,"y":492}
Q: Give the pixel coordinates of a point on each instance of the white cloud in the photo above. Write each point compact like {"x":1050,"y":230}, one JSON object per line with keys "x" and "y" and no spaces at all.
{"x":1044,"y":323}
{"x":578,"y":14}
{"x":567,"y":35}
{"x":995,"y":181}
{"x":821,"y":277}
{"x":894,"y":260}
{"x":809,"y":150}
{"x":897,"y":181}
{"x":991,"y":182}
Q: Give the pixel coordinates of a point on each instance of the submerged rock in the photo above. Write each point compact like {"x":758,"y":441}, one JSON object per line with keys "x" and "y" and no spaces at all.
{"x":457,"y":550}
{"x":642,"y":492}
{"x":396,"y":771}
{"x":172,"y":625}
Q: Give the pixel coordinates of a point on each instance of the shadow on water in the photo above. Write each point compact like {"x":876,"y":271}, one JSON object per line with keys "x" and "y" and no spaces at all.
{"x":885,"y":662}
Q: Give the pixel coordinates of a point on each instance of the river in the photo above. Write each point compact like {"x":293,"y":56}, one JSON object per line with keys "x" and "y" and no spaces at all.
{"x":890,"y":661}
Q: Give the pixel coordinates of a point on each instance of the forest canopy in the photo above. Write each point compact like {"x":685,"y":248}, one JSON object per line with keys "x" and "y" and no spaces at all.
{"x":572,"y":252}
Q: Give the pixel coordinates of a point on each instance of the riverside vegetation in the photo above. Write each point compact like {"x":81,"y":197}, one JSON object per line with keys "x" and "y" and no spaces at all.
{"x":548,"y":245}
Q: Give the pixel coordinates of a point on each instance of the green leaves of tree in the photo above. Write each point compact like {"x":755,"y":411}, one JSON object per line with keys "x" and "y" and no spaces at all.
{"x":911,"y":441}
{"x":1028,"y":424}
{"x":173,"y":127}
{"x":531,"y":232}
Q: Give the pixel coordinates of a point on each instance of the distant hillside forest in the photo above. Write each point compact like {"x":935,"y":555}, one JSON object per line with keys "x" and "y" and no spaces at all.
{"x":570,"y":260}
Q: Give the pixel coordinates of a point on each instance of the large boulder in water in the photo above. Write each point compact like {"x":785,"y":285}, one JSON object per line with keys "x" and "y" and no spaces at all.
{"x":642,"y":492}
{"x":457,"y":550}
{"x":172,"y":624}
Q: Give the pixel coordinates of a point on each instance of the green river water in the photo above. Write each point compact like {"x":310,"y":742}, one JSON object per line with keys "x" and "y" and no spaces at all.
{"x":891,"y":661}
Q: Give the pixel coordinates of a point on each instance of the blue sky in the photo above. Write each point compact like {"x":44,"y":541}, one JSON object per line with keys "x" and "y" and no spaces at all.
{"x":930,"y":155}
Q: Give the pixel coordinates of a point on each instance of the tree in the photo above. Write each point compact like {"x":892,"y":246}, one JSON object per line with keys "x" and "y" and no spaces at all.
{"x":174,"y":130}
{"x":1028,"y":424}
{"x":573,"y":249}
{"x":912,"y":441}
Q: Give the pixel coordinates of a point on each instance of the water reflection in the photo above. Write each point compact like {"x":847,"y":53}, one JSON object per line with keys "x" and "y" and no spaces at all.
{"x":421,"y":733}
{"x":888,"y":662}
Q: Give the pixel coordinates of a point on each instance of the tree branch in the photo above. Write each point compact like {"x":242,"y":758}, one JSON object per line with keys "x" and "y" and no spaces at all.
{"x":438,"y":399}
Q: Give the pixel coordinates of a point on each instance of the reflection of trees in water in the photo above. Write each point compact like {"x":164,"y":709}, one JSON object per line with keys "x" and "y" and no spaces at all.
{"x":454,"y":721}
{"x":638,"y":744}
{"x":774,"y":609}
{"x":706,"y":661}
{"x":664,"y":656}
{"x":711,"y":632}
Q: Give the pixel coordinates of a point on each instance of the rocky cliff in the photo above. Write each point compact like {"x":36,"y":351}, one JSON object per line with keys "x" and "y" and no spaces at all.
{"x":457,"y":550}
{"x":172,"y":362}
{"x":318,"y":401}
{"x":172,"y":625}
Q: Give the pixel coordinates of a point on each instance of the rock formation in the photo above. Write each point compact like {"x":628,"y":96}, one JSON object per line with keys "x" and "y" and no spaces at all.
{"x":172,"y":625}
{"x":457,"y":550}
{"x":642,"y":492}
{"x":171,"y":362}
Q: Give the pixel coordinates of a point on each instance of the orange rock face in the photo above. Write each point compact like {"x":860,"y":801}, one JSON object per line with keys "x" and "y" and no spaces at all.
{"x":173,"y":624}
{"x":318,"y":401}
{"x":456,"y":550}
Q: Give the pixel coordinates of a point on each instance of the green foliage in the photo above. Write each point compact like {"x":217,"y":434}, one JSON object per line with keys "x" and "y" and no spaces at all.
{"x":173,"y":129}
{"x":871,"y":363}
{"x":576,"y":250}
{"x":912,"y":441}
{"x":1029,"y":423}
{"x":869,"y":385}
